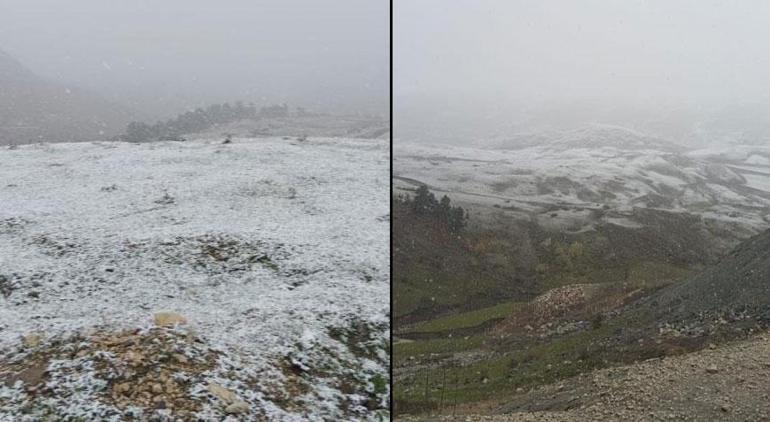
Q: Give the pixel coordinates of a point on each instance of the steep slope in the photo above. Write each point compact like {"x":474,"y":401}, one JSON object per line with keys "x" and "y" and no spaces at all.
{"x":735,"y":292}
{"x":35,"y":110}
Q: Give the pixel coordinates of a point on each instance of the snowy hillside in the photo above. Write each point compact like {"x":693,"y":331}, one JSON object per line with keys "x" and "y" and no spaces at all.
{"x":564,"y":181}
{"x":318,"y":125}
{"x":274,"y":251}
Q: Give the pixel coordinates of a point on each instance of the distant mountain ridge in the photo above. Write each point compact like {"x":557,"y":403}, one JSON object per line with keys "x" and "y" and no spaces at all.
{"x":601,"y":135}
{"x":590,"y":136}
{"x":33,"y":109}
{"x":12,"y":70}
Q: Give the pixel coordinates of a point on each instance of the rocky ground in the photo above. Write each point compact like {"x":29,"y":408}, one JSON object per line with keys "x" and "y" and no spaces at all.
{"x":725,"y":383}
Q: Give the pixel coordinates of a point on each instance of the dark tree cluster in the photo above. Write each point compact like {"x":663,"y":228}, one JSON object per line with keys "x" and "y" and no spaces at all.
{"x":198,"y":120}
{"x":425,"y":203}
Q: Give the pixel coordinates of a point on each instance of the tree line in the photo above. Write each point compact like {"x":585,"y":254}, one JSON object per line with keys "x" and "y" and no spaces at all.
{"x":201,"y":119}
{"x":424,"y":203}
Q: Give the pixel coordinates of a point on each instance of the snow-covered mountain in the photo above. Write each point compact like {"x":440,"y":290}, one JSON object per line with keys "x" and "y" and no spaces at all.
{"x":604,"y":168}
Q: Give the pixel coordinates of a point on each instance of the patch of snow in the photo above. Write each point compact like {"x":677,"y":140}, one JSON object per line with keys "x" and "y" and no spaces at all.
{"x":618,"y":169}
{"x":262,"y":244}
{"x":758,"y":160}
{"x":758,"y":181}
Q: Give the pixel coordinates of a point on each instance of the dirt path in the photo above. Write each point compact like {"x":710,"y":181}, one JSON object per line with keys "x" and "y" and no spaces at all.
{"x":727,"y":383}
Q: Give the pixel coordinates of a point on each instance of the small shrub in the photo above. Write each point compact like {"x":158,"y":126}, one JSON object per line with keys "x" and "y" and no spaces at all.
{"x":597,"y":321}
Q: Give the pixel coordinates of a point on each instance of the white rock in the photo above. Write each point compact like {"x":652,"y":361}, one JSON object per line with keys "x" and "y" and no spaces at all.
{"x":237,"y":407}
{"x":163,"y":319}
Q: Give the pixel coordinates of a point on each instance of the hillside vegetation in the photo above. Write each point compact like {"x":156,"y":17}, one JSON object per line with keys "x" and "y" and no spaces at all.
{"x":577,"y":256}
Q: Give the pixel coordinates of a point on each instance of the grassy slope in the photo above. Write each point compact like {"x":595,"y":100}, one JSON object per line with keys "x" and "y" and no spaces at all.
{"x":528,"y":363}
{"x":466,"y":319}
{"x":469,"y":289}
{"x":436,"y":273}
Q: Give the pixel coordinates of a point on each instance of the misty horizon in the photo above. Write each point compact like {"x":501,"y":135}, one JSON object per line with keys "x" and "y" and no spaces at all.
{"x":497,"y":69}
{"x":163,"y":59}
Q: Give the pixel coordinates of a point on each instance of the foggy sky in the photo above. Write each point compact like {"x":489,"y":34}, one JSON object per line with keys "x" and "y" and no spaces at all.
{"x":161,"y":56}
{"x":666,"y":54}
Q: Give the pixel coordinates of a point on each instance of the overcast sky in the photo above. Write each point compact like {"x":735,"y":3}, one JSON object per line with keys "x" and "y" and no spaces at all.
{"x":163,"y":55}
{"x":693,"y":53}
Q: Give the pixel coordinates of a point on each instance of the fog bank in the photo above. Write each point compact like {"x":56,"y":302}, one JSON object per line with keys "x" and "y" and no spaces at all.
{"x":163,"y":57}
{"x":502,"y":66}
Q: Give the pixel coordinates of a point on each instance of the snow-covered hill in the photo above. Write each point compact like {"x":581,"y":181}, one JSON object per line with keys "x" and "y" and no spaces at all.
{"x":275,"y":251}
{"x":566,"y":179}
{"x":317,"y":125}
